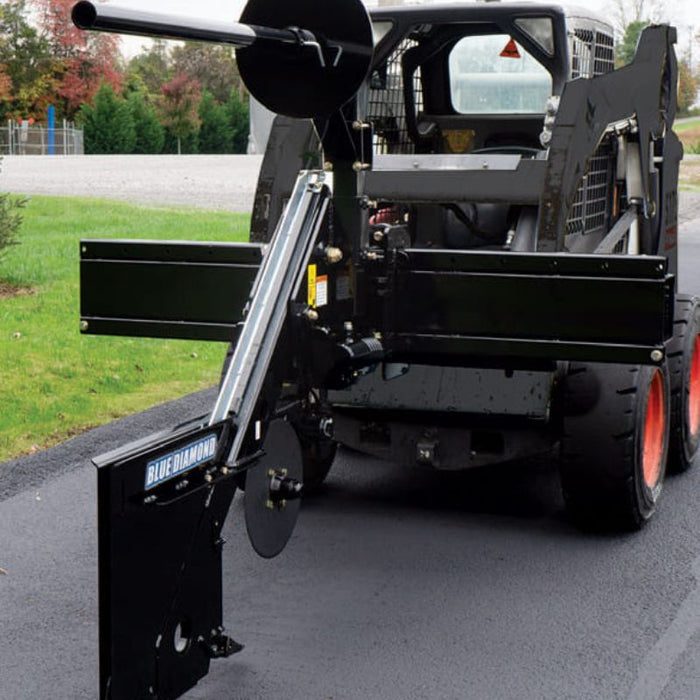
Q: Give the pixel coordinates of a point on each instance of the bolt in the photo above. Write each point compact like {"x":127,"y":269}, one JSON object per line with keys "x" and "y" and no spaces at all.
{"x":84,"y":325}
{"x":208,"y":478}
{"x":311,"y":315}
{"x":333,"y":255}
{"x":378,"y":236}
{"x":224,"y":470}
{"x":359,"y":126}
{"x":328,"y":166}
{"x":359,"y":166}
{"x":657,"y":355}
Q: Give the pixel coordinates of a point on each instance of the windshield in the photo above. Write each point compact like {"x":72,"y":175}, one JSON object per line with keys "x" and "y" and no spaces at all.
{"x":493,"y":74}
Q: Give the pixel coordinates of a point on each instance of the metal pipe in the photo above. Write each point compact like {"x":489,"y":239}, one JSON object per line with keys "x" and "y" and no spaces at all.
{"x":121,"y":20}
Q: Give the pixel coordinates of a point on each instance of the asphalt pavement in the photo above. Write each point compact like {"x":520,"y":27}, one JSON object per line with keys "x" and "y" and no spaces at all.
{"x":397,"y":584}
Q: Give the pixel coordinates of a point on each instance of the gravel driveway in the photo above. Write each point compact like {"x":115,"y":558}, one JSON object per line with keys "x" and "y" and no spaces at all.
{"x":208,"y":182}
{"x":225,"y":183}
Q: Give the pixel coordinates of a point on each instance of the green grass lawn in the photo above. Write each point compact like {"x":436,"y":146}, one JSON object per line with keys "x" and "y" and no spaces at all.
{"x":55,"y":383}
{"x":687,"y":126}
{"x":689,"y":134}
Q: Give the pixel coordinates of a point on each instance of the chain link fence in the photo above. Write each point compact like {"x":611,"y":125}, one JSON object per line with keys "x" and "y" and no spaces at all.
{"x":33,"y":140}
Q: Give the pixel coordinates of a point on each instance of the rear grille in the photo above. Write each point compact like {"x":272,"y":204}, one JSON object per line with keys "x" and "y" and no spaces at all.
{"x":387,"y":108}
{"x":592,"y":53}
{"x":589,"y":212}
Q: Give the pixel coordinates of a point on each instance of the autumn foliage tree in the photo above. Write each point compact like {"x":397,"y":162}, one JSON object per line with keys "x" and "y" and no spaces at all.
{"x":213,"y":66}
{"x":688,"y":85}
{"x":180,"y":107}
{"x":26,"y":74}
{"x":82,"y":60}
{"x":5,"y":85}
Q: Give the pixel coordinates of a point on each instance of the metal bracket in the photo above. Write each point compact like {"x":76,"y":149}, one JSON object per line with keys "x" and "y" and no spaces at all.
{"x":277,"y":282}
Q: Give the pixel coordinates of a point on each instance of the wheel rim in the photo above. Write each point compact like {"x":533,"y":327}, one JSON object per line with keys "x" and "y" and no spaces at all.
{"x":694,"y":390}
{"x":654,"y":430}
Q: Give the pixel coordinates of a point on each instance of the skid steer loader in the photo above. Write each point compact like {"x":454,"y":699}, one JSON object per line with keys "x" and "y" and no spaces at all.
{"x":463,"y":251}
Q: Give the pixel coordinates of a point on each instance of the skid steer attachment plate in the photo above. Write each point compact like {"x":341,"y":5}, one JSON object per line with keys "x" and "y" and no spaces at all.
{"x":161,"y":505}
{"x":166,"y":289}
{"x":600,"y":308}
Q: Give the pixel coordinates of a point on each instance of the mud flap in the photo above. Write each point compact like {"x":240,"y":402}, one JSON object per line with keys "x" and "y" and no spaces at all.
{"x":162,"y":503}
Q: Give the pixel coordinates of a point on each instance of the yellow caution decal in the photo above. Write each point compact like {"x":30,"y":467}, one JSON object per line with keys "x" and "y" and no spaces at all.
{"x":311,"y":277}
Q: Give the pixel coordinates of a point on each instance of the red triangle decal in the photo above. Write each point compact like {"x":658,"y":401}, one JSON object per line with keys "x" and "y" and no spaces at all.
{"x":511,"y":50}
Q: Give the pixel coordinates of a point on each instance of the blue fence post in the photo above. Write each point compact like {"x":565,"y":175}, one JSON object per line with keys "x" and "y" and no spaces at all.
{"x":51,"y":123}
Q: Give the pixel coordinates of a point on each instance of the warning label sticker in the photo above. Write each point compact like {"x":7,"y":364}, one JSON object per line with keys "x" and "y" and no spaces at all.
{"x":321,"y":290}
{"x":511,"y":50}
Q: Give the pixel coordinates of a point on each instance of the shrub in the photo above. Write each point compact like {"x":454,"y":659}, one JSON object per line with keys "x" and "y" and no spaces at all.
{"x":108,"y":124}
{"x":10,"y":220}
{"x":239,"y":118}
{"x":150,"y":134}
{"x":216,"y":133}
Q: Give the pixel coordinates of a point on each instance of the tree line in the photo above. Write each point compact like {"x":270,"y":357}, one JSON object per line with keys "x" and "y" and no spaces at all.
{"x":168,"y":99}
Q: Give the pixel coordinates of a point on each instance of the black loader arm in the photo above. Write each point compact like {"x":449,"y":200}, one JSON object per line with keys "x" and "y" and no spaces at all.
{"x":639,"y":99}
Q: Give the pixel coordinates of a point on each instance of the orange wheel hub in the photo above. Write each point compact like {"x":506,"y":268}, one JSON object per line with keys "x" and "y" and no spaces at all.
{"x":654,"y":430}
{"x":694,"y":390}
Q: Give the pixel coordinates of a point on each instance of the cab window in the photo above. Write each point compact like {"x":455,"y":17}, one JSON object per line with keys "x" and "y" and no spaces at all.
{"x":493,"y":74}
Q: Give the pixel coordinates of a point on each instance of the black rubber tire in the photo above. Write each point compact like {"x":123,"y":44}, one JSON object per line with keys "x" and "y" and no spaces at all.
{"x":601,"y":464}
{"x":683,"y":446}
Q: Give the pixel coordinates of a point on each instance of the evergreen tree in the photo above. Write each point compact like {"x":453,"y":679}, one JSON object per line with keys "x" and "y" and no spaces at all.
{"x":150,"y":134}
{"x":216,"y":132}
{"x":239,"y":119}
{"x":628,"y":46}
{"x":108,"y":124}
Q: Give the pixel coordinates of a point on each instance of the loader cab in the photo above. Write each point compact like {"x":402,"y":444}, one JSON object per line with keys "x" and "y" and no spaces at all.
{"x":482,"y":80}
{"x":478,"y":76}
